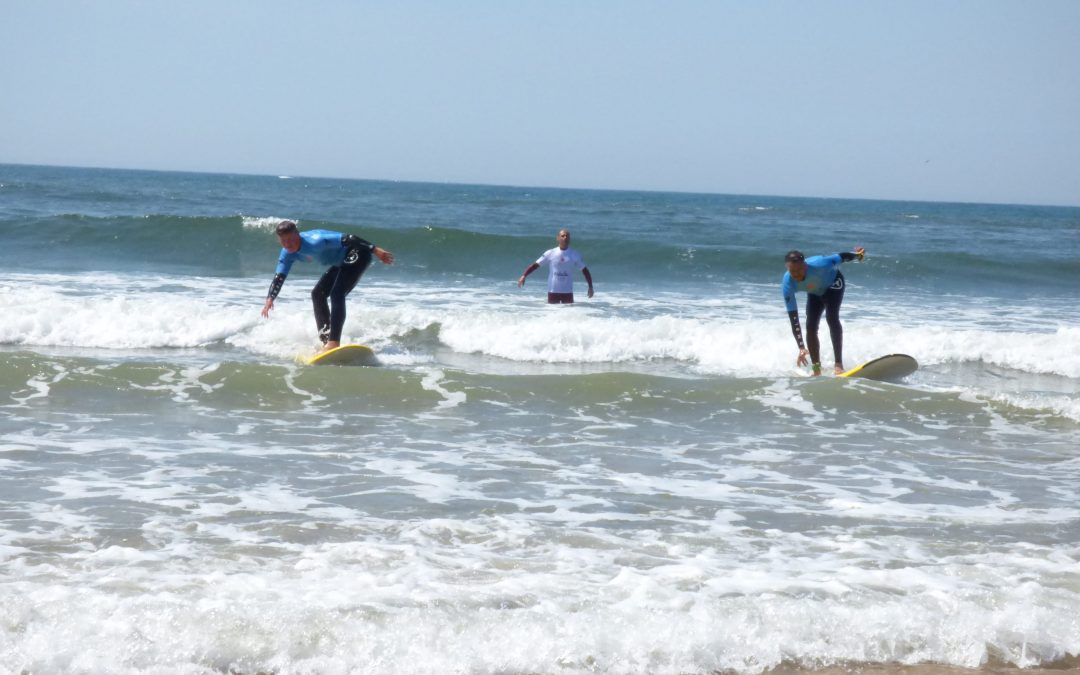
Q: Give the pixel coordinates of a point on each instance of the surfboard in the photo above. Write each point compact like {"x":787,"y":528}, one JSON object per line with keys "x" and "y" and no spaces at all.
{"x":891,"y":368}
{"x":345,"y":355}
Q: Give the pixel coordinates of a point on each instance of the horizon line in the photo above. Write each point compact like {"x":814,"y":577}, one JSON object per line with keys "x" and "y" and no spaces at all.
{"x":284,"y":176}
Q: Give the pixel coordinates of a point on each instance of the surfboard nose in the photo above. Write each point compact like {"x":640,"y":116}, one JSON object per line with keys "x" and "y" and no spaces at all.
{"x":889,"y":368}
{"x":345,"y":355}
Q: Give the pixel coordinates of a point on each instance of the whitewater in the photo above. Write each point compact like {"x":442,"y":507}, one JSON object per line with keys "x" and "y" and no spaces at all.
{"x":641,"y":482}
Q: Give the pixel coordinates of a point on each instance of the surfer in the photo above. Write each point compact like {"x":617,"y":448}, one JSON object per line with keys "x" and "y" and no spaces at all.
{"x":346,"y":254}
{"x":820,"y":277}
{"x":561,"y":262}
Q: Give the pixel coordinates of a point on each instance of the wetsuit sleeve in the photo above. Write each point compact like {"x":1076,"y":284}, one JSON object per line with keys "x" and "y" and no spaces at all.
{"x":275,"y":286}
{"x":353,"y":241}
{"x":796,"y":329}
{"x":285,"y":261}
{"x":788,"y":288}
{"x":847,"y":256}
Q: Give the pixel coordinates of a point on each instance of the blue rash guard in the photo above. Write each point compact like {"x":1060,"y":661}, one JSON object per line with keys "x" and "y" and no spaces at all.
{"x":324,"y":246}
{"x":321,"y":245}
{"x":821,"y":271}
{"x":346,"y":255}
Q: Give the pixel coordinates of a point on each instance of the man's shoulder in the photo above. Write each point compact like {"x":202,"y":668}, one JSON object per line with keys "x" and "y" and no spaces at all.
{"x":314,"y":236}
{"x":822,"y":260}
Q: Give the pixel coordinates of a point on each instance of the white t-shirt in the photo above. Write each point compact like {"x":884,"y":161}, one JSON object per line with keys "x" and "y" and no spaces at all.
{"x":561,"y":266}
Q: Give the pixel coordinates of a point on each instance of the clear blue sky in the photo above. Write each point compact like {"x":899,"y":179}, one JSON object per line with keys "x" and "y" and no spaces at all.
{"x":970,"y":100}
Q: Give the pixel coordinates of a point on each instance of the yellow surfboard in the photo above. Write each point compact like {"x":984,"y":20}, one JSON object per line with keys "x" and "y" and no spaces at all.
{"x":891,"y":368}
{"x":345,"y":355}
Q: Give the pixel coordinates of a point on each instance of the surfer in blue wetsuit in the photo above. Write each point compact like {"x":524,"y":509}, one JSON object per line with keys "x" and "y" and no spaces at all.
{"x":346,"y":254}
{"x":819,"y":276}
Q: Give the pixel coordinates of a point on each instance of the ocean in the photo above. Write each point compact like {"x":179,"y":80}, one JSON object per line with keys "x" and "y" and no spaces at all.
{"x":642,"y":482}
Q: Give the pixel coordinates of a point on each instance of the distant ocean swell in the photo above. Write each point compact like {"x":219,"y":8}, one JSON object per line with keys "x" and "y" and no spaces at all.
{"x":244,"y":246}
{"x":240,"y":246}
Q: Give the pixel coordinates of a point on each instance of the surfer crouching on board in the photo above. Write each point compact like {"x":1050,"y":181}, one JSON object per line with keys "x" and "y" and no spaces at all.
{"x":346,"y":254}
{"x":561,"y":262}
{"x":819,"y":276}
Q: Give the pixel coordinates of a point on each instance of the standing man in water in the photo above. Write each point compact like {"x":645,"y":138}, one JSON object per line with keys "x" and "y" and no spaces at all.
{"x":561,"y":262}
{"x":820,"y":277}
{"x":346,"y":254}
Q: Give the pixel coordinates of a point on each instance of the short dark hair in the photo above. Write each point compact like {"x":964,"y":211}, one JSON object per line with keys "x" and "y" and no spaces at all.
{"x":285,"y":227}
{"x":794,"y":256}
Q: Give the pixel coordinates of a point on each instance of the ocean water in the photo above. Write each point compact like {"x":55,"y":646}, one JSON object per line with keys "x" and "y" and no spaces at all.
{"x":640,"y":483}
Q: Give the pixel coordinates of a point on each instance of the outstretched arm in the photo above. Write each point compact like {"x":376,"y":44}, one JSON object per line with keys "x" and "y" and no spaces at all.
{"x":796,"y":330}
{"x":275,"y":288}
{"x":857,"y":254}
{"x":384,"y":256}
{"x":351,"y":240}
{"x":588,"y":278}
{"x":528,"y":270}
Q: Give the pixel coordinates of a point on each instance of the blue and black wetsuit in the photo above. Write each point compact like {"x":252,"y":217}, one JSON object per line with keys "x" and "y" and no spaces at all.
{"x":824,"y":287}
{"x":348,"y":257}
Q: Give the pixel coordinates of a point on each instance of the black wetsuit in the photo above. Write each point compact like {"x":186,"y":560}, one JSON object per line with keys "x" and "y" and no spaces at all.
{"x":824,"y":287}
{"x":348,"y":257}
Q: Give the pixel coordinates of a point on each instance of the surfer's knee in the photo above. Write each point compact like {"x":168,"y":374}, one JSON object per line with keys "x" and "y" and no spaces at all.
{"x":337,"y":299}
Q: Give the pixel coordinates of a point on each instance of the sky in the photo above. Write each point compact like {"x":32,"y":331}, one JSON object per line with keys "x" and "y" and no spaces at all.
{"x":965,"y":100}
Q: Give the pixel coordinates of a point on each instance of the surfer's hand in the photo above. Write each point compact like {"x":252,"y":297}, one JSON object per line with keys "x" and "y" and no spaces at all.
{"x":803,"y":358}
{"x":521,"y":281}
{"x":386,"y":257}
{"x":267,"y":307}
{"x":860,"y":252}
{"x":590,"y":290}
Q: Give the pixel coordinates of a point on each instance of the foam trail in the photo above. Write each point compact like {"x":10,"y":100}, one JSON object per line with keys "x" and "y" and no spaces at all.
{"x":731,"y":339}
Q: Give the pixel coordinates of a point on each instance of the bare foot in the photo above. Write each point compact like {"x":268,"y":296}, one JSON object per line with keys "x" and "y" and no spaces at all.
{"x":838,"y":369}
{"x":330,"y":344}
